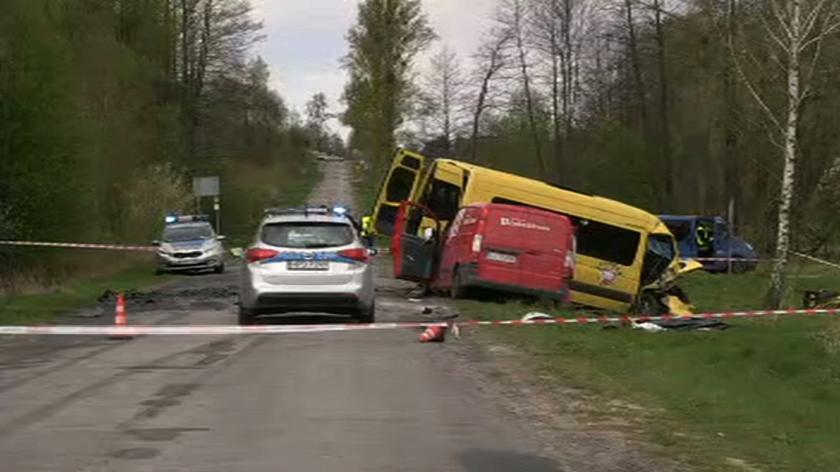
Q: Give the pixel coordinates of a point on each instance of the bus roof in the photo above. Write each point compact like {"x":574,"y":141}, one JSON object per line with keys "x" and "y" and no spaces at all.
{"x":595,"y":203}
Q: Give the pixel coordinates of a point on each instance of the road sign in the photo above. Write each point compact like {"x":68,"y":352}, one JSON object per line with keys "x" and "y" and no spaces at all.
{"x":206,"y":186}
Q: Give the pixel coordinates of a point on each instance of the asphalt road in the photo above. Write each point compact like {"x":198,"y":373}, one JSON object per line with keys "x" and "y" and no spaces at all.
{"x":344,"y":401}
{"x":359,"y":401}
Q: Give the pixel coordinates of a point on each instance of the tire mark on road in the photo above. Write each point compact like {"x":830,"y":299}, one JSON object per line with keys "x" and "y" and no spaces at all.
{"x":54,"y":407}
{"x":69,"y":362}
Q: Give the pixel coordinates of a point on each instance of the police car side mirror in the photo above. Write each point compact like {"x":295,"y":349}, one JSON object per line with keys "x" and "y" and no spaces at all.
{"x":220,"y":238}
{"x":155,"y":243}
{"x":373,"y":251}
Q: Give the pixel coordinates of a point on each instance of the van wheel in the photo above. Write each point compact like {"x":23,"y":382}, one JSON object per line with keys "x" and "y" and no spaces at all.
{"x":649,"y":305}
{"x":739,"y":267}
{"x":458,"y":290}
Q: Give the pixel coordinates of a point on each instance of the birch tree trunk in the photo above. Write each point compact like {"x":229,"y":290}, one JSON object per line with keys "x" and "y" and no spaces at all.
{"x":778,"y":280}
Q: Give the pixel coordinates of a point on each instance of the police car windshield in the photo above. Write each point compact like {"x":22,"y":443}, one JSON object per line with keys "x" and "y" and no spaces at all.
{"x":307,"y":235}
{"x":177,"y":234}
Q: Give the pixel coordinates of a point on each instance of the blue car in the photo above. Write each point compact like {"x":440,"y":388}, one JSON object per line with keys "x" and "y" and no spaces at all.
{"x":709,"y":237}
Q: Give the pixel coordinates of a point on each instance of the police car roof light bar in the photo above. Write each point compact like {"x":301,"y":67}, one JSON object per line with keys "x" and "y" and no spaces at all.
{"x":307,"y":210}
{"x":174,"y":219}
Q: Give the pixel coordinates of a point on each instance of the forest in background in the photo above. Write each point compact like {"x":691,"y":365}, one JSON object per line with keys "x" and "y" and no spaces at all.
{"x":645,"y":102}
{"x":109,"y":107}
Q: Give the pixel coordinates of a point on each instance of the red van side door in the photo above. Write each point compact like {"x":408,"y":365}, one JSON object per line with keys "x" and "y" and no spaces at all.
{"x":457,"y":246}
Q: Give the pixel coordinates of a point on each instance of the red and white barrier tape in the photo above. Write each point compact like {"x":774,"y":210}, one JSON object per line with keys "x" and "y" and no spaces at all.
{"x":209,"y":330}
{"x":111,"y":247}
{"x":817,"y":260}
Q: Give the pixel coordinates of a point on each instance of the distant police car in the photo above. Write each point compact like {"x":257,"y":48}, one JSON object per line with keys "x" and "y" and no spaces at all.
{"x":189,"y":243}
{"x":307,"y":260}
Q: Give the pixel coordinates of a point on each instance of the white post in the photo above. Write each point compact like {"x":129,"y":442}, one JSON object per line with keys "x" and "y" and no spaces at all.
{"x":217,"y":208}
{"x":730,"y":219}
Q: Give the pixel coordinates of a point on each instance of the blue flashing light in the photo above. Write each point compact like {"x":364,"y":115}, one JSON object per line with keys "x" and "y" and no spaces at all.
{"x":340,"y":210}
{"x":173,"y":219}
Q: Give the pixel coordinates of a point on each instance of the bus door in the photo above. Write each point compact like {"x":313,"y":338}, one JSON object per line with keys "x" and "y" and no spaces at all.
{"x":400,"y":184}
{"x":414,"y":255}
{"x":442,"y":194}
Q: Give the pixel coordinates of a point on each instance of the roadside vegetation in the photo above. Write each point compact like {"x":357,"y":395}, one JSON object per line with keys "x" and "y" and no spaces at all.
{"x":765,"y":393}
{"x":43,"y":305}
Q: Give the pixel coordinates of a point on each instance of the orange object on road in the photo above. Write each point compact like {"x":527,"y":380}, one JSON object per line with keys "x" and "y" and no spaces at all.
{"x":121,"y":318}
{"x":433,"y":334}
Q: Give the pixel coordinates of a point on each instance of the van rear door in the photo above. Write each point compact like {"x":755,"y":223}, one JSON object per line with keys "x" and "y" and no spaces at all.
{"x":400,"y":184}
{"x":528,"y":246}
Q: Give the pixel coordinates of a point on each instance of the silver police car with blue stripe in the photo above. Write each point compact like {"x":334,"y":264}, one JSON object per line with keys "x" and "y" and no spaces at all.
{"x":308,"y":260}
{"x":189,"y":243}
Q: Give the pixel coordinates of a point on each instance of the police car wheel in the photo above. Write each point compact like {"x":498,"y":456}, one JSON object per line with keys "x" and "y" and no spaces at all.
{"x":246,"y":317}
{"x":366,"y":315}
{"x":219,"y":269}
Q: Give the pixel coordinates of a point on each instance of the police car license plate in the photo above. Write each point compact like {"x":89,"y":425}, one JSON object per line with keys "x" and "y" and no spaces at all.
{"x":309,"y":265}
{"x":500,"y":257}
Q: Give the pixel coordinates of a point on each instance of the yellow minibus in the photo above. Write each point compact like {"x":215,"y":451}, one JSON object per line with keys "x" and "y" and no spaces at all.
{"x":626,"y":257}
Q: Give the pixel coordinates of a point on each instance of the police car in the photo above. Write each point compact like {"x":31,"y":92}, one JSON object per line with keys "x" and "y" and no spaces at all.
{"x":188,"y":243}
{"x":307,"y":260}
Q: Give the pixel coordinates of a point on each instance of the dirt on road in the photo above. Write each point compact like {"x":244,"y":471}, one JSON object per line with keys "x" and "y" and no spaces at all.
{"x":356,"y":401}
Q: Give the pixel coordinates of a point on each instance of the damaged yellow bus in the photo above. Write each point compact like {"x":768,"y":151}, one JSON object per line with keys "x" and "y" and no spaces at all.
{"x":626,"y":257}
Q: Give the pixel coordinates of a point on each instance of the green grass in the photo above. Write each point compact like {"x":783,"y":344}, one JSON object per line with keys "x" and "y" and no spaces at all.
{"x":747,"y":291}
{"x":42,"y":307}
{"x":766,"y":391}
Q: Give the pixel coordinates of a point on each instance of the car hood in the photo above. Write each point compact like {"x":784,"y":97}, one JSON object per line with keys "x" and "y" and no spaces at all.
{"x":197,"y":245}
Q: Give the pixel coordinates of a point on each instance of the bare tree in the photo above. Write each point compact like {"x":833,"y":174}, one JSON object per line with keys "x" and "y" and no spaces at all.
{"x":796,"y":30}
{"x":512,"y":14}
{"x":666,"y":158}
{"x":491,"y":60}
{"x":444,"y":96}
{"x":559,"y":27}
{"x":214,"y":37}
{"x":730,"y":97}
{"x":635,"y":61}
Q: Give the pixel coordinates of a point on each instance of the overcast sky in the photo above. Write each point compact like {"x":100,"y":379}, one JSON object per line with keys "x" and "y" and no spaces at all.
{"x":305,"y":40}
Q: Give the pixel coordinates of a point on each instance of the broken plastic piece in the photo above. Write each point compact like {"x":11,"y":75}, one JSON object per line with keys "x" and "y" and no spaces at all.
{"x":536,"y":315}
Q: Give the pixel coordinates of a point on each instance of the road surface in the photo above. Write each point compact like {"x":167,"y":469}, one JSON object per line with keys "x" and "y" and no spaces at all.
{"x":357,"y":401}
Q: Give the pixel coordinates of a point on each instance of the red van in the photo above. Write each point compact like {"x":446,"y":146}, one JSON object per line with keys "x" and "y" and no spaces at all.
{"x":506,"y":248}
